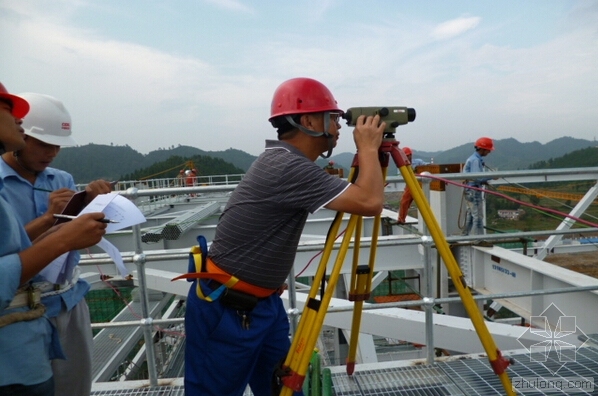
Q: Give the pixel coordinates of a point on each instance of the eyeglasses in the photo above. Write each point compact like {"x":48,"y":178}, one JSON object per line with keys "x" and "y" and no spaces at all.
{"x":334,"y":116}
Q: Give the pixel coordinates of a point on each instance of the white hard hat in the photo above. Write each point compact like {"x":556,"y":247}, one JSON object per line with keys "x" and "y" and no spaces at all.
{"x":47,"y":120}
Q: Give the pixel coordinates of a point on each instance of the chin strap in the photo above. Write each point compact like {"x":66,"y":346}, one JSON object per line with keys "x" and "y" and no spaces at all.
{"x":330,"y":147}
{"x":316,"y":134}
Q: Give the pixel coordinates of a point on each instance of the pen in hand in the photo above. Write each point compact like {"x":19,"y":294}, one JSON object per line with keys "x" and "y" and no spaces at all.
{"x":61,"y":216}
{"x":42,"y":189}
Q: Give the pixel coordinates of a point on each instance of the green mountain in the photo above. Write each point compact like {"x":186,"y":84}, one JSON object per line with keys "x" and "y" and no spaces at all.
{"x":171,"y":167}
{"x":509,"y":154}
{"x":576,"y":159}
{"x":94,"y":161}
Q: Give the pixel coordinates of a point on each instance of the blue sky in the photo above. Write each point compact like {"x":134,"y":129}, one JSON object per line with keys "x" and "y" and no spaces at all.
{"x":158,"y":73}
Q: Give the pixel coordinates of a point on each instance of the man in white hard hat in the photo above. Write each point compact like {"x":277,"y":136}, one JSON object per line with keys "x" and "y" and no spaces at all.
{"x":27,"y":341}
{"x":37,"y":192}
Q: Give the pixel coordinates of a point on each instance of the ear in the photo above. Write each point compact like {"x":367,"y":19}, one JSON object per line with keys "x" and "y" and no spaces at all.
{"x":308,"y":121}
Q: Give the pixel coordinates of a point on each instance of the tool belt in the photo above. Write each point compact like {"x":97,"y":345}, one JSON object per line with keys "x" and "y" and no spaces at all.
{"x":235,"y":299}
{"x":231,"y":291}
{"x":475,"y":183}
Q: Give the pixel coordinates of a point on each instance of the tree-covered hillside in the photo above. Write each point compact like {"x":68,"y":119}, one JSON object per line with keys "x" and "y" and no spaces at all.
{"x":171,"y":167}
{"x":576,"y":159}
{"x":96,"y":161}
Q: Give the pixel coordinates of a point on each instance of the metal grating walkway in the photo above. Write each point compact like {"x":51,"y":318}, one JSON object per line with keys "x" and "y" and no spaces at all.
{"x":157,"y":391}
{"x":458,"y":376}
{"x":421,"y":380}
{"x":467,"y":376}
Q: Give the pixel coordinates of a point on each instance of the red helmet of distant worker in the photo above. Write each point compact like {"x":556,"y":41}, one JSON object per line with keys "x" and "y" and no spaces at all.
{"x":302,"y":95}
{"x":20,"y":107}
{"x":484,"y":143}
{"x":407,"y":151}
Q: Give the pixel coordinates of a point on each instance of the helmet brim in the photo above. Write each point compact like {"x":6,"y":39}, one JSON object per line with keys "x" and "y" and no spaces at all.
{"x":62,"y":141}
{"x":20,"y":107}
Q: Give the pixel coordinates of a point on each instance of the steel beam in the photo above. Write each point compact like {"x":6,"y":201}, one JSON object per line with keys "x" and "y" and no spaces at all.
{"x":498,"y":270}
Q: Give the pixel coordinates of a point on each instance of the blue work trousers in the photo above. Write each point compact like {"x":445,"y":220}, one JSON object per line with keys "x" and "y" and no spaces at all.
{"x":222,"y":357}
{"x":474,"y":218}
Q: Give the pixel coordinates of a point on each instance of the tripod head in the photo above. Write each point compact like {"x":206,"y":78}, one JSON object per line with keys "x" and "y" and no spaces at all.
{"x":393,"y":116}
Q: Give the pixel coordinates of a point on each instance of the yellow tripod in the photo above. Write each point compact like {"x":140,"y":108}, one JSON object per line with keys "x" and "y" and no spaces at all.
{"x":297,"y":361}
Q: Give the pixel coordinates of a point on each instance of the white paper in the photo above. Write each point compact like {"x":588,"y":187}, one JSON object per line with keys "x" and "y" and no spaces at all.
{"x":115,"y":207}
{"x":115,"y":256}
{"x":56,"y":271}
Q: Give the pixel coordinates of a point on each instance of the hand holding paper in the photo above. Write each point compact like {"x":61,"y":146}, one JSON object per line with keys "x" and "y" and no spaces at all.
{"x":115,"y":207}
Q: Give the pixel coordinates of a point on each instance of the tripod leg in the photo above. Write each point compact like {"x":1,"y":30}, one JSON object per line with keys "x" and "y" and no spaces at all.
{"x":498,"y":363}
{"x":356,"y":293}
{"x":297,"y":360}
{"x":361,"y":284}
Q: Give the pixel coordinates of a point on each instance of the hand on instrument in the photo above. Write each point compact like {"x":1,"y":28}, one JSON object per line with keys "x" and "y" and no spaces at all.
{"x":368,"y":132}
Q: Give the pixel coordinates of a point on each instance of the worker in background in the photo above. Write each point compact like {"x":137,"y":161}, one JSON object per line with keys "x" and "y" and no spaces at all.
{"x":242,"y":336}
{"x":190,"y":177}
{"x":37,"y":192}
{"x":27,"y":338}
{"x":474,"y":216}
{"x":407,"y":198}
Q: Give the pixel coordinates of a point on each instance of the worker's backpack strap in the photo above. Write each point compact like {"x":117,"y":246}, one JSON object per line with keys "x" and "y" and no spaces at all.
{"x":197,"y":270}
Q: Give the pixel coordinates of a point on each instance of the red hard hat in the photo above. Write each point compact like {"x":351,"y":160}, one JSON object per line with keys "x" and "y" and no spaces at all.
{"x":484,"y":143}
{"x":20,"y":107}
{"x":302,"y":95}
{"x":407,"y":151}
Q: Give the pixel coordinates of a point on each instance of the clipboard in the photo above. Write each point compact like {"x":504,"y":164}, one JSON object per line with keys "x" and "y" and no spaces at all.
{"x":73,"y":206}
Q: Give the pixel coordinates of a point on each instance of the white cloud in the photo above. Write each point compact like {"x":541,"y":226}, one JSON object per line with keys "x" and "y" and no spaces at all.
{"x":455,"y":27}
{"x":231,"y":5}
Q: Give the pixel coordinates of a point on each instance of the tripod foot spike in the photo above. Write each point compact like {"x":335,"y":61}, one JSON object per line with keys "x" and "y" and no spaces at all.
{"x":350,"y":368}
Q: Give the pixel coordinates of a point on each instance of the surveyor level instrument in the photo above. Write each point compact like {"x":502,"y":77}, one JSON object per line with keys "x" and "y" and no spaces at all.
{"x":294,"y":368}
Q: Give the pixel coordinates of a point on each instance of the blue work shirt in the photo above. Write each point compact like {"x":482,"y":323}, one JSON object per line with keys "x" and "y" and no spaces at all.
{"x":26,"y":347}
{"x":475,"y":164}
{"x":417,"y":162}
{"x":31,"y":201}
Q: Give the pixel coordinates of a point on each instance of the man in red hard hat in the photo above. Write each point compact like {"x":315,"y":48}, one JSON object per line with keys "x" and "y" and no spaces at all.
{"x":242,"y":335}
{"x":37,"y":191}
{"x":474,"y":216}
{"x":27,"y":339}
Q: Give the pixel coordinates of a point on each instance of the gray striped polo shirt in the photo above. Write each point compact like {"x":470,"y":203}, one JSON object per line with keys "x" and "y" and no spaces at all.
{"x":258,"y":233}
